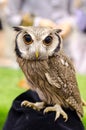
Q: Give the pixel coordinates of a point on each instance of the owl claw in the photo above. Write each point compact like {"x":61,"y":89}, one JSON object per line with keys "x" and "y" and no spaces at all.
{"x":58,"y":110}
{"x":36,"y":106}
{"x":24,"y":103}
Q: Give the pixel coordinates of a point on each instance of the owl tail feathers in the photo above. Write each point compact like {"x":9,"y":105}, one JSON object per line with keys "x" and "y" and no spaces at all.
{"x":83,"y":102}
{"x":80,"y":114}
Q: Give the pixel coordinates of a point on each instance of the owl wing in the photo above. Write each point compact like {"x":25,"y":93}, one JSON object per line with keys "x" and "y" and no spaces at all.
{"x":62,"y":76}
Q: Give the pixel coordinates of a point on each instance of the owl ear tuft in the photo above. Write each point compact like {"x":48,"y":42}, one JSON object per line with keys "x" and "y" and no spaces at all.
{"x":17,"y":28}
{"x":58,"y":30}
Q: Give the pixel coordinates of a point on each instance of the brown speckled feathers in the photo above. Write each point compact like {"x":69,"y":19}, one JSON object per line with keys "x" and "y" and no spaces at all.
{"x":48,"y":70}
{"x":54,"y":80}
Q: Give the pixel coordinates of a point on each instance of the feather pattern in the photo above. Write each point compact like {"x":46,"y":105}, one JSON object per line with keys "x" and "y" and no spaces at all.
{"x":60,"y":88}
{"x":48,"y":70}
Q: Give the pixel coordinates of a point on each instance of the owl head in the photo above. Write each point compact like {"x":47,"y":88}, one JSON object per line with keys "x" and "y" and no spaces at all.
{"x":37,"y":43}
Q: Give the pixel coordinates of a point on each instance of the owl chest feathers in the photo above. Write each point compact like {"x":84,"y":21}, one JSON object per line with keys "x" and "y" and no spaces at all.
{"x":54,"y":81}
{"x":37,"y":71}
{"x":48,"y":88}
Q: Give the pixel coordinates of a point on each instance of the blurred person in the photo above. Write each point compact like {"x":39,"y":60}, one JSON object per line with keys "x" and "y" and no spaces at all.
{"x":57,"y":14}
{"x":53,"y":10}
{"x":80,"y":13}
{"x":37,"y":13}
{"x":74,"y":43}
{"x":78,"y":37}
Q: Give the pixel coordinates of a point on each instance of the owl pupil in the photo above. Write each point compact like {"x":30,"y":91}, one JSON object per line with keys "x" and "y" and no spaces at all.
{"x":48,"y":40}
{"x":27,"y":39}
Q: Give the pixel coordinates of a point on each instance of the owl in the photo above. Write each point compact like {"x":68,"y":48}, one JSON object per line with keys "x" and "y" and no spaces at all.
{"x":48,"y":70}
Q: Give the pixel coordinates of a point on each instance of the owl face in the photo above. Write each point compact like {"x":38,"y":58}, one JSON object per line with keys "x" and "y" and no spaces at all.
{"x":37,"y":43}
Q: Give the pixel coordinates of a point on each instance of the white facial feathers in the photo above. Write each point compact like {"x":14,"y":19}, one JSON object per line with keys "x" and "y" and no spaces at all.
{"x":38,"y":42}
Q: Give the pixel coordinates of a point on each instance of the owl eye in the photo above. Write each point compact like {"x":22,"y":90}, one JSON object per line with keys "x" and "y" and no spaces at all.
{"x":48,"y":40}
{"x":27,"y":39}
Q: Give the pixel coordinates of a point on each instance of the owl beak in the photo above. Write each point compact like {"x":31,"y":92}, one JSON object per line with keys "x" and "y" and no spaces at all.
{"x":37,"y":54}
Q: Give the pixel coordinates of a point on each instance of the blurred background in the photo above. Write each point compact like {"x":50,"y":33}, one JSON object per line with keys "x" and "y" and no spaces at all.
{"x":68,"y":15}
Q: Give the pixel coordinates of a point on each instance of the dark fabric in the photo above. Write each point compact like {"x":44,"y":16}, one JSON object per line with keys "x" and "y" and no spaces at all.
{"x":21,"y":118}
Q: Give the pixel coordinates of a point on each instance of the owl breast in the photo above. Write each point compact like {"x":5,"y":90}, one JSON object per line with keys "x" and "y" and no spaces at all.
{"x":35,"y":74}
{"x":36,"y":71}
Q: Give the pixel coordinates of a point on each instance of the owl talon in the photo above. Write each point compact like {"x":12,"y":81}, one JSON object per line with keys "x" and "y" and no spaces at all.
{"x":58,"y":110}
{"x":36,"y":106}
{"x":24,"y":103}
